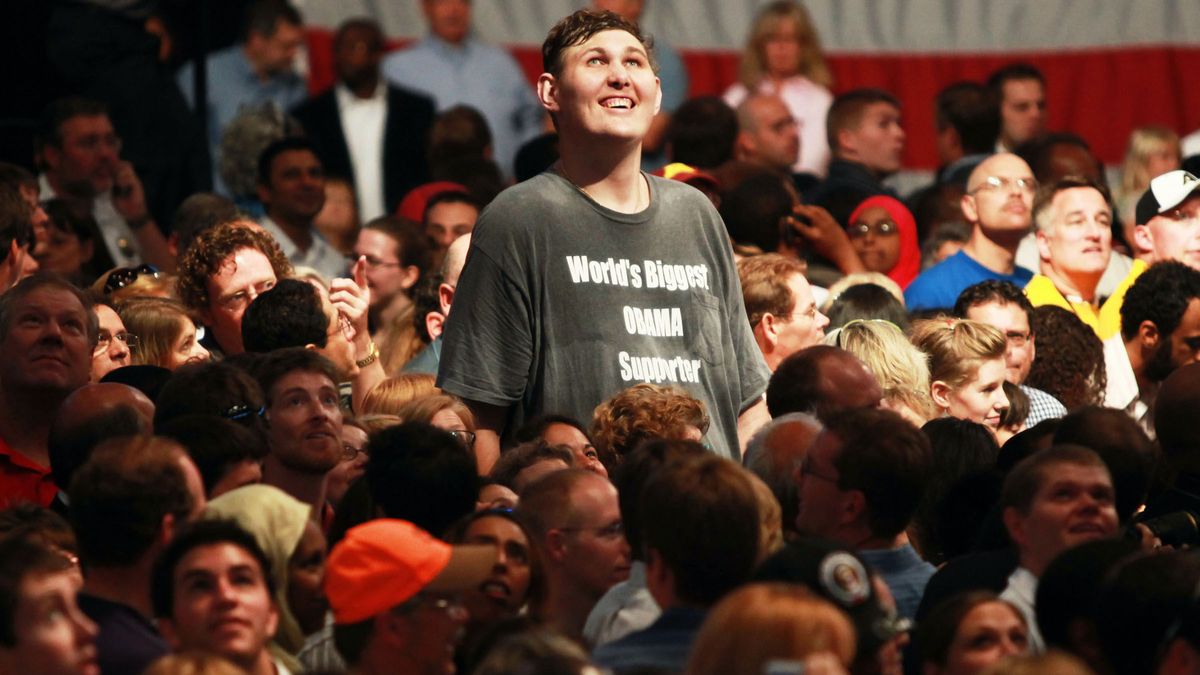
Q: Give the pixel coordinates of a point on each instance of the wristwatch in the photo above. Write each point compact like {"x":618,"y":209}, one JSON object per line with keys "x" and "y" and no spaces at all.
{"x":372,"y":354}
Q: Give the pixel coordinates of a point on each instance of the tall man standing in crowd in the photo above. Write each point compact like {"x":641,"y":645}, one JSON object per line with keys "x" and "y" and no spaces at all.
{"x":592,"y":277}
{"x":1021,"y":91}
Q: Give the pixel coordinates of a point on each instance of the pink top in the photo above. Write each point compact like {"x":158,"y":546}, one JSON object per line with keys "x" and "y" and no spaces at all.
{"x":809,"y":103}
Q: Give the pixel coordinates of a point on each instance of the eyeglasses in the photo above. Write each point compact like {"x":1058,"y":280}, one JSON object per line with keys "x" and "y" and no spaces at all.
{"x":465,"y":437}
{"x":884,"y":228}
{"x":610,"y":531}
{"x":350,"y":452}
{"x":806,"y":469}
{"x":1003,"y":183}
{"x":451,"y":604}
{"x":1017,"y":338}
{"x":372,"y":262}
{"x":242,"y":411}
{"x":106,"y":338}
{"x":346,"y":328}
{"x":120,"y":278}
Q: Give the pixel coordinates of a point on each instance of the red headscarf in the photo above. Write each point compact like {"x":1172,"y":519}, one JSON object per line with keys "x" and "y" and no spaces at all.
{"x":909,"y":263}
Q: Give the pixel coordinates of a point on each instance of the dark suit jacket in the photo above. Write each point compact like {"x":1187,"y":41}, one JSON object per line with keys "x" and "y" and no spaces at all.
{"x":405,"y":136}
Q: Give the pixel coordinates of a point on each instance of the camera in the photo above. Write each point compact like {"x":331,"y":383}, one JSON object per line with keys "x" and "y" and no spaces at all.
{"x":1176,"y":529}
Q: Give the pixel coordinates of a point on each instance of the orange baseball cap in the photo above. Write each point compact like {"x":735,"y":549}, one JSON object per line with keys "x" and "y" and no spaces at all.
{"x":385,"y":562}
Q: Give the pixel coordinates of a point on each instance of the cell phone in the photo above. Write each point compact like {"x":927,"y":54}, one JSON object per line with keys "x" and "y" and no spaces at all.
{"x":787,"y":229}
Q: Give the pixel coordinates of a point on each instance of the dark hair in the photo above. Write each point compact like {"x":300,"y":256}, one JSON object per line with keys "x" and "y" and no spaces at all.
{"x":16,"y":223}
{"x":449,"y":197}
{"x":263,"y":17}
{"x":215,"y":388}
{"x":59,"y":111}
{"x":20,"y":558}
{"x":72,"y":438}
{"x":1018,"y":405}
{"x":206,"y":532}
{"x":866,"y":301}
{"x":288,"y":315}
{"x":992,"y":290}
{"x":797,"y":385}
{"x":847,"y":109}
{"x":1037,"y":153}
{"x":973,"y":111}
{"x":702,"y":132}
{"x":701,"y":516}
{"x":1012,"y":71}
{"x":578,"y":28}
{"x":458,"y":132}
{"x":200,"y":212}
{"x":412,"y":246}
{"x":960,"y":449}
{"x":457,"y":533}
{"x":518,"y":458}
{"x":887,"y":459}
{"x":420,"y":473}
{"x":70,"y":218}
{"x":1070,"y":360}
{"x":121,"y":494}
{"x":269,"y":368}
{"x":1127,"y":451}
{"x":936,"y":632}
{"x":1068,"y":590}
{"x":1025,"y":480}
{"x":752,"y":210}
{"x":266,"y":159}
{"x":631,"y":476}
{"x":1161,"y":295}
{"x":36,"y":282}
{"x":536,"y":427}
{"x":30,"y":521}
{"x":215,"y":444}
{"x":1143,"y":600}
{"x":426,"y":299}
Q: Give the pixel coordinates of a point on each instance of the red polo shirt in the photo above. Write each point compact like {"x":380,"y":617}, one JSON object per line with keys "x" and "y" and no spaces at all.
{"x":22,"y":479}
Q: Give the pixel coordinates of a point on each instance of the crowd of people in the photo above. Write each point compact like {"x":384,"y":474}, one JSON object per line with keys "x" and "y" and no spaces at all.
{"x":713,"y":398}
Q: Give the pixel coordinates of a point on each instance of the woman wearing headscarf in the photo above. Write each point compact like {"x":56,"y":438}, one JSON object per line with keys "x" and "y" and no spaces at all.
{"x":884,"y":234}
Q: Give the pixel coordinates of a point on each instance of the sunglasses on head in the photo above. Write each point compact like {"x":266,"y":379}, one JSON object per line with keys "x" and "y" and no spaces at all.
{"x":120,"y":278}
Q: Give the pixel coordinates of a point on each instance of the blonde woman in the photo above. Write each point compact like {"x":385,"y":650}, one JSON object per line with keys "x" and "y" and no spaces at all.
{"x":1152,"y":151}
{"x":167,"y":335}
{"x":966,"y":368}
{"x":783,"y":57}
{"x":780,"y":625}
{"x":388,"y":396}
{"x":901,"y":369}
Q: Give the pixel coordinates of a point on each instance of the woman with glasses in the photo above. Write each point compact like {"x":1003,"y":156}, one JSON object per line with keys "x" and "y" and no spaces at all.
{"x":167,"y":336}
{"x":884,"y":235}
{"x":444,"y":412}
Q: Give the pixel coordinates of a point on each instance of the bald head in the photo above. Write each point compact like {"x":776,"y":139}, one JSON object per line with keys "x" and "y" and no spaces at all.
{"x":91,"y":414}
{"x":456,"y":257}
{"x":767,"y":132}
{"x":821,"y":380}
{"x":1175,"y":417}
{"x":999,"y":199}
{"x":999,"y":164}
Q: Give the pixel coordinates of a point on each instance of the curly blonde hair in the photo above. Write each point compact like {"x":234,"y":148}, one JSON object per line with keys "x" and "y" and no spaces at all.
{"x":957,"y":347}
{"x":642,"y":412}
{"x":901,"y":368}
{"x":209,"y":252}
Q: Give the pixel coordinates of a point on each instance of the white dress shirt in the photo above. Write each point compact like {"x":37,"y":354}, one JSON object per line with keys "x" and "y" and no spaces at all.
{"x":363,"y":121}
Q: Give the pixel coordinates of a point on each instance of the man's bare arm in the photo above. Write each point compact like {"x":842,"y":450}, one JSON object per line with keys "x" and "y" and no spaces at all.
{"x":751,"y":420}
{"x":490,"y":421}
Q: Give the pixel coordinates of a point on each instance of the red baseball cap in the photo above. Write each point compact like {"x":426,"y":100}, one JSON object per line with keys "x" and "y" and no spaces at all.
{"x":413,"y":204}
{"x":385,"y":562}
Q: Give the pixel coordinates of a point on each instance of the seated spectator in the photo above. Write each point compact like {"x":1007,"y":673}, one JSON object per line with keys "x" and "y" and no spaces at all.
{"x":773,"y":454}
{"x":567,"y":432}
{"x":1051,"y":501}
{"x":389,"y":395}
{"x":884,"y":235}
{"x":74,"y":246}
{"x":1160,"y":232}
{"x":575,"y":521}
{"x":1070,"y":361}
{"x":213,"y":592}
{"x":700,"y":534}
{"x":761,"y":625}
{"x":114,"y":346}
{"x":42,"y":629}
{"x":448,"y":216}
{"x":961,"y":450}
{"x":167,"y":336}
{"x":901,"y":369}
{"x":515,"y":581}
{"x":420,"y":473}
{"x":866,"y":302}
{"x":521,"y":465}
{"x":444,"y":412}
{"x":780,"y":306}
{"x":842,"y":578}
{"x":395,"y":593}
{"x":821,"y":380}
{"x":969,"y":632}
{"x":628,"y":606}
{"x":860,"y":485}
{"x":227,"y":454}
{"x":644,"y":412}
{"x":768,"y":135}
{"x":143,"y":281}
{"x":295,"y":550}
{"x":1146,"y":615}
{"x":966,"y":368}
{"x":1152,"y":150}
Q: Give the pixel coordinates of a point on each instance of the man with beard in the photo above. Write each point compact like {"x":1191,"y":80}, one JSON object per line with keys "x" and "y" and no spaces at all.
{"x":365,"y":129}
{"x":1160,"y":331}
{"x":304,"y":422}
{"x":291,"y":185}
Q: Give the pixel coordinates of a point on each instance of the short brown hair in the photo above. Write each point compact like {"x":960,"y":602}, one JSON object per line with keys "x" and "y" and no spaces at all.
{"x":765,"y":285}
{"x":208,"y":253}
{"x":520,"y":457}
{"x":847,"y":110}
{"x":642,"y":412}
{"x":546,"y":503}
{"x":36,"y":282}
{"x":1042,"y":213}
{"x":1023,"y":482}
{"x":579,"y":28}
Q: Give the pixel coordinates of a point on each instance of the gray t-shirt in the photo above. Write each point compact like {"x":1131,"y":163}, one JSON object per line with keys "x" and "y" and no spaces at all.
{"x":563,"y":303}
